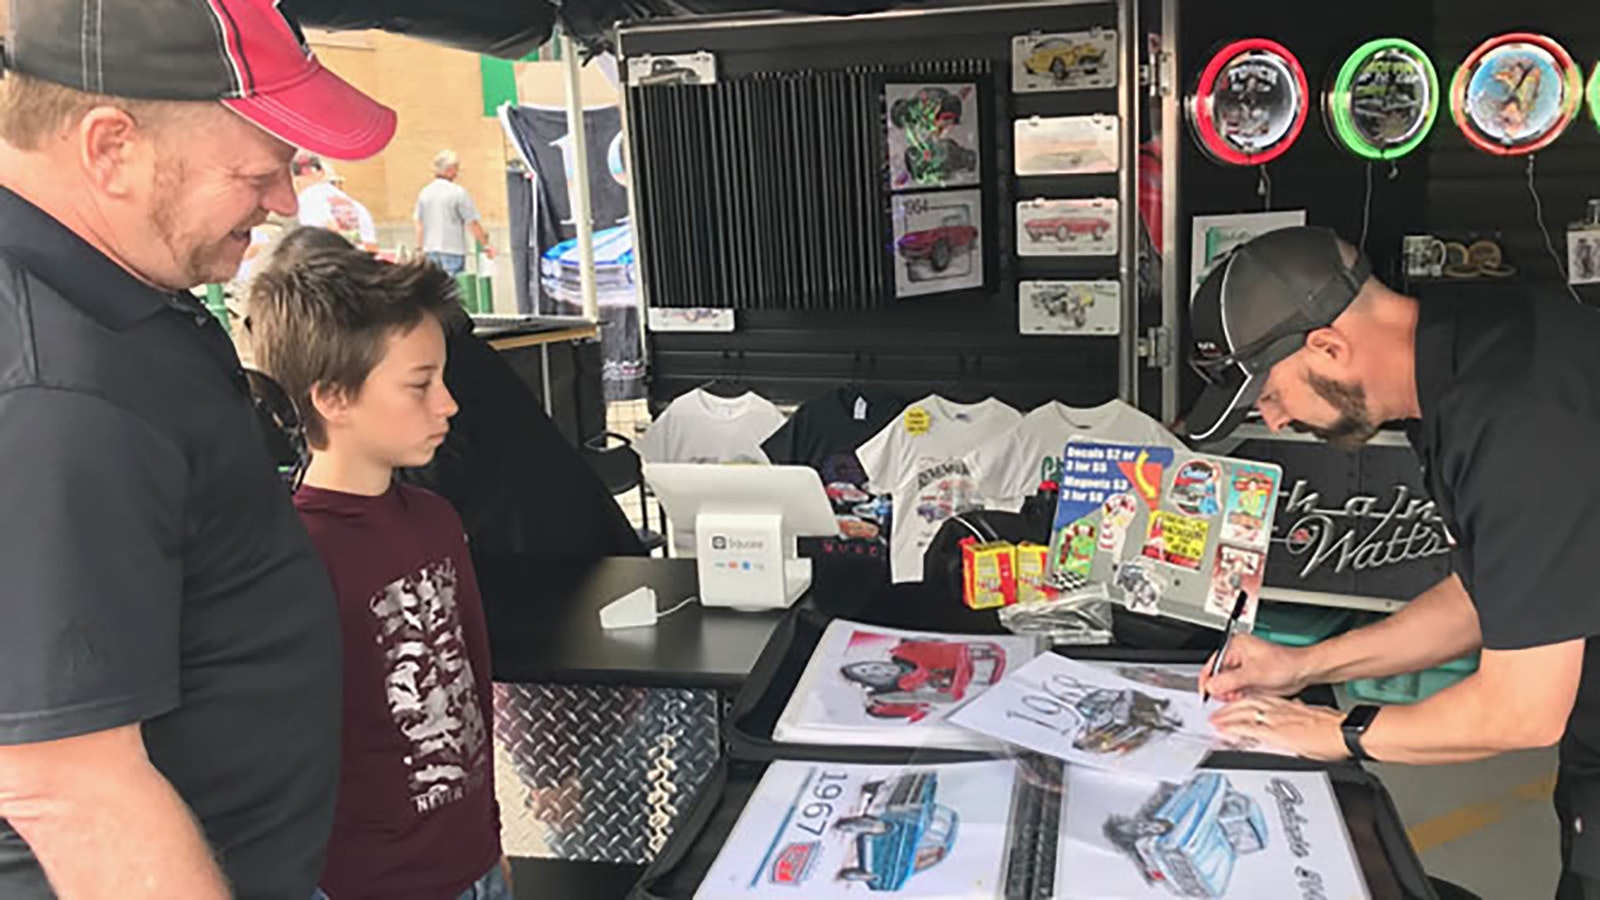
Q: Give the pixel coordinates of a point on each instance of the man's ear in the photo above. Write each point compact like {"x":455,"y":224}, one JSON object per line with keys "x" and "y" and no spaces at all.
{"x":331,"y":402}
{"x":115,"y":152}
{"x":1329,"y":346}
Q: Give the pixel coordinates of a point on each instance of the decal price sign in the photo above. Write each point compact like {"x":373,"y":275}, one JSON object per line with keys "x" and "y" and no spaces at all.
{"x":1383,"y":100}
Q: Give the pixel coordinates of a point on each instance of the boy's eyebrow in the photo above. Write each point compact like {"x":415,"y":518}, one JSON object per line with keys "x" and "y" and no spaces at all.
{"x":426,"y":367}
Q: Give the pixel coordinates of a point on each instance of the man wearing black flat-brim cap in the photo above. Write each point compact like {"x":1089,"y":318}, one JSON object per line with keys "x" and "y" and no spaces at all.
{"x":1501,"y":401}
{"x":169,"y":645}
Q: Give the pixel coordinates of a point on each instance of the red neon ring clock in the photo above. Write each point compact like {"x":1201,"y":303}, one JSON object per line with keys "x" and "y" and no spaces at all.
{"x":1515,"y":94}
{"x":1250,"y":103}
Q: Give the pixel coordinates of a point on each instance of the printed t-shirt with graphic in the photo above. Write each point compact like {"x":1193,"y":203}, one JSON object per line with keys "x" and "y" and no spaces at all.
{"x":920,"y":459}
{"x":324,"y":205}
{"x":700,"y":427}
{"x":1010,"y":467}
{"x":824,"y":434}
{"x":416,"y":816}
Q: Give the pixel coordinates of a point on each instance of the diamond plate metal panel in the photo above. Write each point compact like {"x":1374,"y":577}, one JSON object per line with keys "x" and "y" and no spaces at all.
{"x":599,"y":773}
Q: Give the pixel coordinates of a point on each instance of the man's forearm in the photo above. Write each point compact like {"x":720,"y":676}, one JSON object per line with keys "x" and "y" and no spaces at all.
{"x":478,"y":232}
{"x":1441,"y":624}
{"x":419,"y":237}
{"x":123,"y":834}
{"x":1517,"y":700}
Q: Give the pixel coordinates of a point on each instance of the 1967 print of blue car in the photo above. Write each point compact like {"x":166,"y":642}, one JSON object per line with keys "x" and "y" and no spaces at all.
{"x":901,"y":832}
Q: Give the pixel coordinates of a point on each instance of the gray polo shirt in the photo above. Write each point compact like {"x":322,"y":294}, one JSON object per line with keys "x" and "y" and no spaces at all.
{"x":155,"y":571}
{"x":444,"y":208}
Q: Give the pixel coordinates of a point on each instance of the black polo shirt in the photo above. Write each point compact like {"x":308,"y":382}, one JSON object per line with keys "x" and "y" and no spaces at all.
{"x":154,"y":568}
{"x":1509,"y":435}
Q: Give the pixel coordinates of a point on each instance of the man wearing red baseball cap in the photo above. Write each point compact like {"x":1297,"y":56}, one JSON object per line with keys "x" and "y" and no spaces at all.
{"x":170,"y":655}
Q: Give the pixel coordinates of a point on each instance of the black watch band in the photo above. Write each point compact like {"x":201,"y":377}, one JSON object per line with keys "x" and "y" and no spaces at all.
{"x":1354,"y":726}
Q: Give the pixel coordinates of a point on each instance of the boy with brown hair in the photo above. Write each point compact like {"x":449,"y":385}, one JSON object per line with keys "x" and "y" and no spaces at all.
{"x":358,"y":344}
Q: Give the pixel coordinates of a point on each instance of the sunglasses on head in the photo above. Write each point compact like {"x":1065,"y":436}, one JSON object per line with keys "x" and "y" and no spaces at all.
{"x":285,"y":431}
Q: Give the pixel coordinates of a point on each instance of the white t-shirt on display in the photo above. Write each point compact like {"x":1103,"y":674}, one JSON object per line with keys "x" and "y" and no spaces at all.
{"x":919,"y":458}
{"x":324,"y":205}
{"x":1009,"y":468}
{"x":699,"y":427}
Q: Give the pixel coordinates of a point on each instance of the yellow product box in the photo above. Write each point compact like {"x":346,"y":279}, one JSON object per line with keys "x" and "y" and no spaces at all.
{"x":989,"y":574}
{"x":1033,"y":573}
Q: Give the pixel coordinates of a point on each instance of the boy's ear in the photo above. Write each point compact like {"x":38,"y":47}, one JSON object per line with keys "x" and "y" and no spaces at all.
{"x":331,"y":402}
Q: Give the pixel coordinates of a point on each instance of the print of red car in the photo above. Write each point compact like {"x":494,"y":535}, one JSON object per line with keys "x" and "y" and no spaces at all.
{"x":922,"y":674}
{"x":939,"y":245}
{"x":1065,"y":228}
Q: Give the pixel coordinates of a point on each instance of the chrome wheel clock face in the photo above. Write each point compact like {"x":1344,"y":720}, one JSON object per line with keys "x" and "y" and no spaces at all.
{"x":1515,"y":94}
{"x":1249,"y":104}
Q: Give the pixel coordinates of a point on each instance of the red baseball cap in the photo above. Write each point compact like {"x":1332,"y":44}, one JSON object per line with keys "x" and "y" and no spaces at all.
{"x":244,"y":54}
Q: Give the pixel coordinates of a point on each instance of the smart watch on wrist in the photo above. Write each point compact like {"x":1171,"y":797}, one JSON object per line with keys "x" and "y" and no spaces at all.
{"x":1354,"y":726}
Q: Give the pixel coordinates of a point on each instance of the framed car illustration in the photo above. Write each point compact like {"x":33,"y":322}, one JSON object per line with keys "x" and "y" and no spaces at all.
{"x":937,"y":242}
{"x":1067,"y":227}
{"x":1069,"y":307}
{"x":1066,"y":61}
{"x":932,"y":135}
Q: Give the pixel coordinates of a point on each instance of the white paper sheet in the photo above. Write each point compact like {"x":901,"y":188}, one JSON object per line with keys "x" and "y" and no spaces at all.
{"x":826,"y":831}
{"x":1092,"y":717}
{"x":883,"y":686}
{"x":1244,"y":835}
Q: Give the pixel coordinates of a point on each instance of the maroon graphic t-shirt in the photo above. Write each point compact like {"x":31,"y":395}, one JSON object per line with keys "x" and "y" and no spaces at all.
{"x":416,"y":817}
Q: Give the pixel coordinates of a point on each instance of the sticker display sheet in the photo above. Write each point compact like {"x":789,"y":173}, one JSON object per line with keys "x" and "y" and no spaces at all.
{"x":932,"y":134}
{"x":821,"y":830}
{"x":938,"y":242}
{"x":1065,"y":61}
{"x":886,"y":687}
{"x":1065,"y":145}
{"x":1172,"y":533}
{"x":1091,"y":716}
{"x":1069,"y":307}
{"x":1245,"y":835}
{"x":1067,"y":227}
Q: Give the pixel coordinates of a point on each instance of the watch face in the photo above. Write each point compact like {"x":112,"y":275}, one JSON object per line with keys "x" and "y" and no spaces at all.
{"x":1250,"y":102}
{"x":1516,"y":94}
{"x":1383,"y":100}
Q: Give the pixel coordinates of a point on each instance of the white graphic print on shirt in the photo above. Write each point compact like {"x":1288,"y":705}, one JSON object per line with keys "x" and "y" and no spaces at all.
{"x":432,"y":694}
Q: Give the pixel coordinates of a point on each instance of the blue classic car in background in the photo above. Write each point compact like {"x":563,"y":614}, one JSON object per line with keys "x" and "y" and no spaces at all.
{"x":1189,"y":836}
{"x":901,"y":832}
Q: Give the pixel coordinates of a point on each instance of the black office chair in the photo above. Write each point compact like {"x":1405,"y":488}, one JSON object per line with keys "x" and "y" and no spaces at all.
{"x":621,"y":470}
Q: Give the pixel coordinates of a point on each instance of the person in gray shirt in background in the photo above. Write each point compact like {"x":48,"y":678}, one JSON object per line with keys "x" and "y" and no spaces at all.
{"x":444,"y":209}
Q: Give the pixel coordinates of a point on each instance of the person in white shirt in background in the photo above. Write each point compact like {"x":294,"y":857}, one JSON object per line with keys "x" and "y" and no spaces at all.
{"x":444,"y":209}
{"x":325,"y":205}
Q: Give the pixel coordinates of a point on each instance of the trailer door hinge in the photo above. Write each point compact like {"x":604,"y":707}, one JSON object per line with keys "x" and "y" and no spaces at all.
{"x":1155,"y":347}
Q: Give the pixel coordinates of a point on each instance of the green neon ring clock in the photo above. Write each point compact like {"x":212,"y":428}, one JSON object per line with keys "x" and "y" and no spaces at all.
{"x":1384,"y":100}
{"x":1594,"y":96}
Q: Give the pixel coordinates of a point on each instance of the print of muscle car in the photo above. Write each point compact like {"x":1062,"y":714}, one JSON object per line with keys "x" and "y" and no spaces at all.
{"x":922,"y":674}
{"x":939,"y":245}
{"x":1059,"y":59}
{"x":1065,"y":228}
{"x":901,"y":831}
{"x":1188,"y":837}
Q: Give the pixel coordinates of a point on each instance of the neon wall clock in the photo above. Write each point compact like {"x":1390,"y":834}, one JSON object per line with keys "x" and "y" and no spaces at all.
{"x":1594,"y":96}
{"x":1383,"y":101}
{"x":1250,"y":103}
{"x":1516,"y":93}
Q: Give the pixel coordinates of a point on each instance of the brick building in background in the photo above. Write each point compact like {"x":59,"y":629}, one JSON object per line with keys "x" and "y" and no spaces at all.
{"x":438,"y":93}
